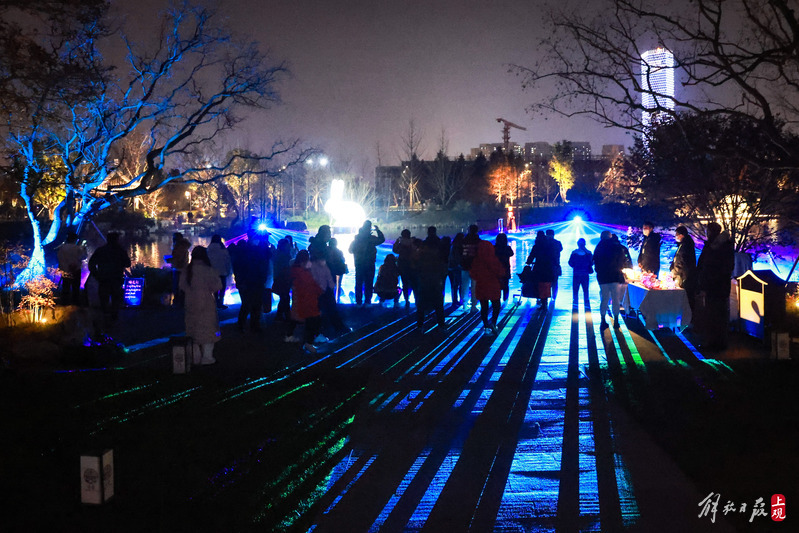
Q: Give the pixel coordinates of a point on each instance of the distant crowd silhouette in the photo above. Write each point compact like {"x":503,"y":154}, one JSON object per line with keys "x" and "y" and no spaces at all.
{"x":308,"y":283}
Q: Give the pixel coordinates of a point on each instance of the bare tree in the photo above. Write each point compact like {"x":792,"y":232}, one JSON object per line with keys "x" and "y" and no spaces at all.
{"x":47,"y":54}
{"x":187,"y":91}
{"x":447,"y":177}
{"x":734,"y":58}
{"x":412,"y":171}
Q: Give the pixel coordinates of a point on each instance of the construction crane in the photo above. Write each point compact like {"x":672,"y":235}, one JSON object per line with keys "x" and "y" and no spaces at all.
{"x":507,"y":125}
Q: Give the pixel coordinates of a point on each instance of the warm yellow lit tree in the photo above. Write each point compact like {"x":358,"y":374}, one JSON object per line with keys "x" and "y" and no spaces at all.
{"x":621,"y":181}
{"x":562,"y":172}
{"x":500,"y":181}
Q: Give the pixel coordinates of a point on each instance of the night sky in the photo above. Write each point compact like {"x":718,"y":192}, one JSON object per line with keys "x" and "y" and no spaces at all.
{"x":362,"y":69}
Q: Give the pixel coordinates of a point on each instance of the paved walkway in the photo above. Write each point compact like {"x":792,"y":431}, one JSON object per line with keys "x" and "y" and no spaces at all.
{"x":506,"y":433}
{"x":437,"y":431}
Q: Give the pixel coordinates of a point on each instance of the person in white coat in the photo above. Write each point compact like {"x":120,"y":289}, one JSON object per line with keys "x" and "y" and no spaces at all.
{"x":200,"y":284}
{"x":220,"y":260}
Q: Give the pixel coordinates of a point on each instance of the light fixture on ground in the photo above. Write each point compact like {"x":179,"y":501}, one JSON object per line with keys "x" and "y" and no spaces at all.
{"x":97,"y":477}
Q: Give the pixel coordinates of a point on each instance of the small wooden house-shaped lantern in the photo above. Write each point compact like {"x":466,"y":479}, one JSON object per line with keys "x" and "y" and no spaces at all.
{"x":182,"y":354}
{"x":97,"y":477}
{"x":761,"y":301}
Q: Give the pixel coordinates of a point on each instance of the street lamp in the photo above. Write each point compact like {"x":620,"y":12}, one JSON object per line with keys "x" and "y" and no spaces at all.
{"x":320,"y":163}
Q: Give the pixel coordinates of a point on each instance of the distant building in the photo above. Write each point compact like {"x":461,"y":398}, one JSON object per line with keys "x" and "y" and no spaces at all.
{"x":610,"y":151}
{"x":581,"y":151}
{"x":387,"y":179}
{"x":537,"y":150}
{"x":533,"y":151}
{"x":657,"y":81}
{"x":489,"y":148}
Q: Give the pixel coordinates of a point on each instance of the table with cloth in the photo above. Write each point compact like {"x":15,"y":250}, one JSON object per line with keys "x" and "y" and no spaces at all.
{"x":667,"y":308}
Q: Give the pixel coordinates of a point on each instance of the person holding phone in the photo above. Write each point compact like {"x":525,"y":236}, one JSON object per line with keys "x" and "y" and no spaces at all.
{"x":364,"y":249}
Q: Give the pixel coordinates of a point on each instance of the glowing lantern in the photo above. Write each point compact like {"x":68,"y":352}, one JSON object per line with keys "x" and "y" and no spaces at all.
{"x":97,"y":477}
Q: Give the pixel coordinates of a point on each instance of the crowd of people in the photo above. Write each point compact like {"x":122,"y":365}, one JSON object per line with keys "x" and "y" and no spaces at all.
{"x":308,"y":282}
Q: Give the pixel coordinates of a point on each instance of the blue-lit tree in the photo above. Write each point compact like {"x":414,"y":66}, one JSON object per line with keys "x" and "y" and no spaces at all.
{"x":182,"y":95}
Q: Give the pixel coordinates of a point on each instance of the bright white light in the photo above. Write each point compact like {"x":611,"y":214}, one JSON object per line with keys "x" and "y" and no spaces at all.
{"x":323,"y":161}
{"x":345,"y":214}
{"x":657,"y":80}
{"x":578,"y":218}
{"x":262,"y":226}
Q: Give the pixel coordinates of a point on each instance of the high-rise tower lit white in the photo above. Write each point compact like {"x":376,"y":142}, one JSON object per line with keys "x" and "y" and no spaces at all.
{"x":657,"y":81}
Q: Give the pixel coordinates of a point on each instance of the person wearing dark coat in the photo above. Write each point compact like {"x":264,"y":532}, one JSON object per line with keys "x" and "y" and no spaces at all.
{"x":336,"y":264}
{"x":504,"y":252}
{"x":608,"y":263}
{"x":714,"y":272}
{"x":649,"y":253}
{"x":107,"y":265}
{"x":387,"y":284}
{"x":457,"y":285}
{"x":403,"y":248}
{"x":281,"y":281}
{"x":251,"y":271}
{"x":542,"y":258}
{"x":317,"y":245}
{"x":364,"y":250}
{"x":581,"y":260}
{"x":557,"y":248}
{"x":430,"y":272}
{"x":683,"y":266}
{"x":470,"y":243}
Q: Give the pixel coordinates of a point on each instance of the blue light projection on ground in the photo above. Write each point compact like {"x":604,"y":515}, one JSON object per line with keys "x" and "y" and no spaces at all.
{"x":548,"y":459}
{"x":516,"y":428}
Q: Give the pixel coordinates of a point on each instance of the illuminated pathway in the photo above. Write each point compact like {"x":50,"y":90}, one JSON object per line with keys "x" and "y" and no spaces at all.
{"x":465,"y":432}
{"x":389,"y":429}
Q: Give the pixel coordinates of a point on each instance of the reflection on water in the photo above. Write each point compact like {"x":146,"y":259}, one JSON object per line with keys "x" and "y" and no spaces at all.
{"x":151,"y":252}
